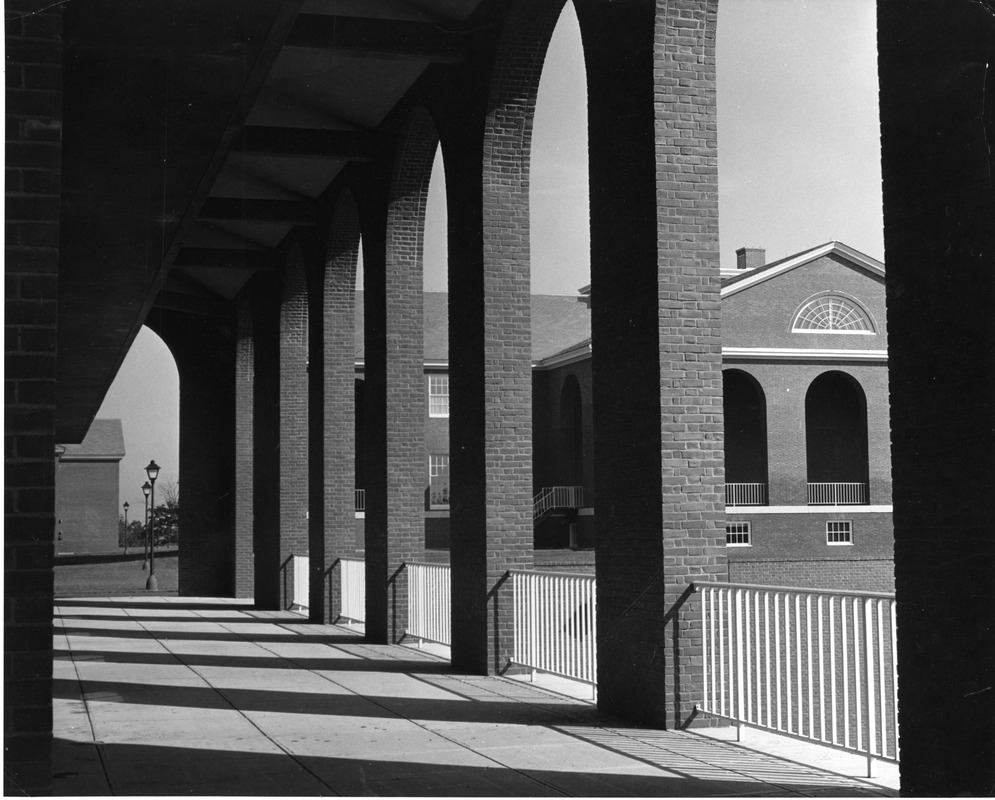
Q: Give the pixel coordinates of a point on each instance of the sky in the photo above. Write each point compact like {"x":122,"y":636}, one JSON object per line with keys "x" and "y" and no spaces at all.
{"x":799,"y":165}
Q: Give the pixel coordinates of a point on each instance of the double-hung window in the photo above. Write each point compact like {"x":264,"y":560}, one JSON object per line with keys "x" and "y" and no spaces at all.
{"x":438,"y":395}
{"x":438,"y":481}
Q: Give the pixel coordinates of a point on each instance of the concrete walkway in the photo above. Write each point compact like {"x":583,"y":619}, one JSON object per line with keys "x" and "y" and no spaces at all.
{"x":174,"y":696}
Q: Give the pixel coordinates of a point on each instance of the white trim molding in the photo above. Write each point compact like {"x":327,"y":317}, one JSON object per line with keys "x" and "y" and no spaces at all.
{"x":801,"y":354}
{"x":761,"y":274}
{"x":737,"y":510}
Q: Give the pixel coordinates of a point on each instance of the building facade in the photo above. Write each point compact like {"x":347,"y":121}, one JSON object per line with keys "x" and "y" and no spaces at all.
{"x":87,"y":490}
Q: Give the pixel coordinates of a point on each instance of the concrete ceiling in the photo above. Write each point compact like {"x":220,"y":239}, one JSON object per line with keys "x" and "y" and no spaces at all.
{"x":196,"y":135}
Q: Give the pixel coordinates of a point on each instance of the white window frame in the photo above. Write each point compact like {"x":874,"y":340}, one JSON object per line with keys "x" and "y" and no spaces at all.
{"x":829,"y":298}
{"x":438,"y":394}
{"x":847,"y":531}
{"x":746,"y":529}
{"x":438,"y":467}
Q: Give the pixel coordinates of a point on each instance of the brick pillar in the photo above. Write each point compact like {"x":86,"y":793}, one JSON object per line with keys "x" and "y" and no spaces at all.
{"x":395,"y":531}
{"x":265,"y":290}
{"x":656,"y":348}
{"x":339,"y":348}
{"x":490,"y":344}
{"x":34,"y":129}
{"x":244,"y":378}
{"x":937,"y":129}
{"x":204,"y":353}
{"x":786,"y":449}
{"x":294,"y":399}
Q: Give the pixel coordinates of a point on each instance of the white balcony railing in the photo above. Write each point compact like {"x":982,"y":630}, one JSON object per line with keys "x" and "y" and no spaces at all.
{"x":746,"y":494}
{"x":429,"y":606}
{"x":352,"y":573}
{"x":552,"y":497}
{"x":301,"y":583}
{"x":554,"y":624}
{"x":361,"y":499}
{"x":815,"y":665}
{"x":837,"y":494}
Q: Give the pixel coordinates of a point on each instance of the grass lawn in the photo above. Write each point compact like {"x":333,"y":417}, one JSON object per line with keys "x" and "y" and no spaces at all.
{"x":113,"y":575}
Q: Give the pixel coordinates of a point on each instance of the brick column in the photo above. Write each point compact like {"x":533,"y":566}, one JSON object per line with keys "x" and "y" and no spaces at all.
{"x":264,"y":292}
{"x":244,"y":379}
{"x":294,"y":400}
{"x":656,"y":348}
{"x":339,"y":348}
{"x":34,"y":129}
{"x":204,"y":353}
{"x":786,"y":449}
{"x":490,"y":343}
{"x":395,"y":533}
{"x":937,"y":129}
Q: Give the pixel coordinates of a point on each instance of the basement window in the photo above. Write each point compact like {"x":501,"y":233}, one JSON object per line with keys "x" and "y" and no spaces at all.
{"x":839,"y":532}
{"x":738,"y":534}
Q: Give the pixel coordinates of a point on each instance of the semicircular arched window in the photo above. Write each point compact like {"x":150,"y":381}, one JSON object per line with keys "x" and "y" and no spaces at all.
{"x":832,"y":314}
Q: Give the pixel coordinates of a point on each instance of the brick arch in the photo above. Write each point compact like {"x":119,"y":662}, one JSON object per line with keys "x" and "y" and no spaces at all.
{"x":293,"y":336}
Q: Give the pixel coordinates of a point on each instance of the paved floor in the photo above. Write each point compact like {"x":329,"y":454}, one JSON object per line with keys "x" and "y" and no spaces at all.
{"x":173,"y":696}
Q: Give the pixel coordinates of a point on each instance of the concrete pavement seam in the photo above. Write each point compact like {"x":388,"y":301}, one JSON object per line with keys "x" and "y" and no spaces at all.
{"x":235,"y":708}
{"x":417,"y":724}
{"x":86,"y":705}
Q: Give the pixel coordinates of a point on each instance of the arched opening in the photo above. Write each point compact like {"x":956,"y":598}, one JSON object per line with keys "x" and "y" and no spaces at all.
{"x":570,"y":441}
{"x":149,"y":430}
{"x":559,"y":196}
{"x":744,"y":408}
{"x":836,"y":440}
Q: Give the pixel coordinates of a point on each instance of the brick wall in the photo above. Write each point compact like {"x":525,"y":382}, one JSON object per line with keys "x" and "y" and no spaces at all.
{"x":31,"y":260}
{"x":86,"y":507}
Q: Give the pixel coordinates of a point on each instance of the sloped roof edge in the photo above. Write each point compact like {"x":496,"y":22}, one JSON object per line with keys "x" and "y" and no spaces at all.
{"x":772,"y":270}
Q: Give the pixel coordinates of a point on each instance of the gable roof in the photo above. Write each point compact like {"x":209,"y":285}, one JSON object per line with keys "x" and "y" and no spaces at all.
{"x":104,"y":441}
{"x":752,"y":277}
{"x":558,"y":322}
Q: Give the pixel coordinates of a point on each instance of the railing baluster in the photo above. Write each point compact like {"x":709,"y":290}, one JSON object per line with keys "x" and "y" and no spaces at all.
{"x":845,"y":648}
{"x":820,"y":610}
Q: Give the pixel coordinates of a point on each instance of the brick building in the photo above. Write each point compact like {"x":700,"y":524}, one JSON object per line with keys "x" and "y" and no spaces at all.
{"x":808,"y":475}
{"x":176,"y":164}
{"x":87,"y":490}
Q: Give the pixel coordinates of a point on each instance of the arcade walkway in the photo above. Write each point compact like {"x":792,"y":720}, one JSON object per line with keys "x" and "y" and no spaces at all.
{"x":173,"y":696}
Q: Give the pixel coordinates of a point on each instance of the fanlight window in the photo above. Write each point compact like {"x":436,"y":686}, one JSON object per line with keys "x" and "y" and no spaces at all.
{"x":830,"y":314}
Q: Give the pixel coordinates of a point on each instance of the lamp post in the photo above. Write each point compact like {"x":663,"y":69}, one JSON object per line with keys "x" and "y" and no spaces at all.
{"x":146,"y":488}
{"x":152,"y":585}
{"x":126,"y":507}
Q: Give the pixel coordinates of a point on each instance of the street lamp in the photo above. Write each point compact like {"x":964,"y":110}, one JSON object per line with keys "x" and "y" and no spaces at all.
{"x":152,"y":585}
{"x":126,"y":507}
{"x":146,"y":488}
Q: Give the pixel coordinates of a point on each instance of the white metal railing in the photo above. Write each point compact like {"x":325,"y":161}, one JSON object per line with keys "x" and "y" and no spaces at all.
{"x":552,"y":497}
{"x":429,"y":607}
{"x":301,"y":583}
{"x":812,"y":664}
{"x":555,"y":624}
{"x":746,"y":494}
{"x":352,"y":573}
{"x":837,"y":494}
{"x":361,"y":499}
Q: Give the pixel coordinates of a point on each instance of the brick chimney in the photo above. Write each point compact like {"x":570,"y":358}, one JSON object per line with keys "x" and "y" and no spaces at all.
{"x":750,"y":257}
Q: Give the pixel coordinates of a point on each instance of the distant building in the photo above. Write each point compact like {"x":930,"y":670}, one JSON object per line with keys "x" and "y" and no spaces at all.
{"x":86,"y":490}
{"x":805,"y":401}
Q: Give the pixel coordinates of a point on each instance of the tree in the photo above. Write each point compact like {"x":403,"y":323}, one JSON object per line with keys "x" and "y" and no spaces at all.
{"x":167,"y":515}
